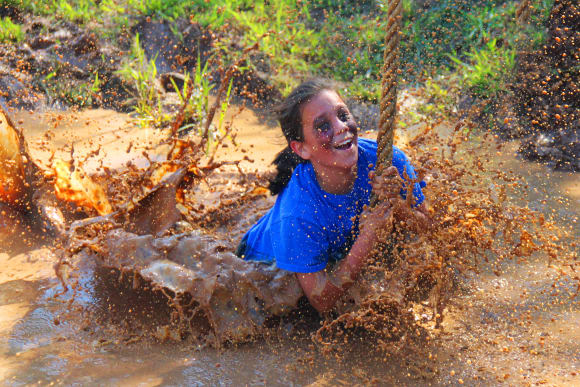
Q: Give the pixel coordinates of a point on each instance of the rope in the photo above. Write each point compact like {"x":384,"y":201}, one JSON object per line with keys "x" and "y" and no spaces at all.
{"x":389,"y":87}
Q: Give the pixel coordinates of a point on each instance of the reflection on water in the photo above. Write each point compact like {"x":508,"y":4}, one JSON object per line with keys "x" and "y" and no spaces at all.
{"x":521,"y":326}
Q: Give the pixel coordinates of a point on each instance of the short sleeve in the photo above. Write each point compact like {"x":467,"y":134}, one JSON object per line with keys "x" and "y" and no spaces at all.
{"x":403,"y":165}
{"x":300,"y":246}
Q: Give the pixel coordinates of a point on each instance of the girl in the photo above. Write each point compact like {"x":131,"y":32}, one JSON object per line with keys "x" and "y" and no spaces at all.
{"x":323,"y":184}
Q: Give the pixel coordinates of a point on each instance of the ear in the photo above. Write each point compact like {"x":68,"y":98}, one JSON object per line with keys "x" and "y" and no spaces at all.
{"x":299,"y":148}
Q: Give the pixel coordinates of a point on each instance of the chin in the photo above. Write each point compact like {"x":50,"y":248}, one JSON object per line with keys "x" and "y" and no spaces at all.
{"x":348,"y":157}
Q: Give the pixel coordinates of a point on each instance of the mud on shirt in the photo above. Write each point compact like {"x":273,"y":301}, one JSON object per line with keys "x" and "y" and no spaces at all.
{"x":308,"y":227}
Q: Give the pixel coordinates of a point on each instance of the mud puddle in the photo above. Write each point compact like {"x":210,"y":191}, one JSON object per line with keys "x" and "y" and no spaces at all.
{"x":513,"y":328}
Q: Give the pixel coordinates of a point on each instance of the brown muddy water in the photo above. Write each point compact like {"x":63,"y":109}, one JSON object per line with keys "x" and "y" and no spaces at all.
{"x":520,"y":326}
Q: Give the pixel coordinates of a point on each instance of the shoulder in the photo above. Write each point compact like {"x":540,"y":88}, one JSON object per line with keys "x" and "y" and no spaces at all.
{"x":367,"y":145}
{"x":367,"y":150}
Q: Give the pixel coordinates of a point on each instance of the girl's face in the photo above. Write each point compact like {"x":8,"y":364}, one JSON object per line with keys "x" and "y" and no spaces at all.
{"x":330,"y":134}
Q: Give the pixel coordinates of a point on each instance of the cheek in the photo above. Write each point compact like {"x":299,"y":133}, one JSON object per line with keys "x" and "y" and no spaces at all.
{"x":325,"y":138}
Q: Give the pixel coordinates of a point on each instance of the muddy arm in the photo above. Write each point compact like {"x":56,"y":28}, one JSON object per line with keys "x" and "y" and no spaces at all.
{"x":325,"y":287}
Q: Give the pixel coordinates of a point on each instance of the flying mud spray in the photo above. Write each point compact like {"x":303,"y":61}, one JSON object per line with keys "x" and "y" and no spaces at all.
{"x":152,"y":234}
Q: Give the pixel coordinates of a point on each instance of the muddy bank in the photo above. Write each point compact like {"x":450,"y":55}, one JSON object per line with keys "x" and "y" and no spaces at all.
{"x":62,"y":65}
{"x":546,"y":90}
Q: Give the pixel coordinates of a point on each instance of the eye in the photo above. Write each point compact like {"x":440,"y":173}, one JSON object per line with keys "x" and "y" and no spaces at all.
{"x":323,"y":127}
{"x":343,"y":115}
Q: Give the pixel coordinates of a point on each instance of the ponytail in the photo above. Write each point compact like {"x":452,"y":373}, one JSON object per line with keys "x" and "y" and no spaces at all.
{"x":285,"y":163}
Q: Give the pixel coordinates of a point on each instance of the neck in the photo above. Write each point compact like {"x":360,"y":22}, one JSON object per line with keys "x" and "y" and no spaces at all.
{"x":336,"y":182}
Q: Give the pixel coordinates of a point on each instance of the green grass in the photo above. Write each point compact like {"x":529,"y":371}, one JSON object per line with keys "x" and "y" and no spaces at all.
{"x":338,"y":39}
{"x":10,"y":32}
{"x":440,"y":93}
{"x":141,"y":72}
{"x":71,"y":92}
{"x":487,"y":71}
{"x":198,"y":88}
{"x":77,"y":11}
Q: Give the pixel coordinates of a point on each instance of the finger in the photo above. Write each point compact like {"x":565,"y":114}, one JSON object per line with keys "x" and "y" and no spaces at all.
{"x":388,"y":186}
{"x":390,"y":171}
{"x":383,"y":180}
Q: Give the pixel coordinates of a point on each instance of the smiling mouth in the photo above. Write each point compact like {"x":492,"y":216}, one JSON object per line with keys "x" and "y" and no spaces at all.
{"x":346,"y":143}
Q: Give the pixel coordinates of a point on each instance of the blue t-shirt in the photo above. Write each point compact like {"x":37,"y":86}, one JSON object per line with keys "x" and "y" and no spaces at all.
{"x":308,"y":227}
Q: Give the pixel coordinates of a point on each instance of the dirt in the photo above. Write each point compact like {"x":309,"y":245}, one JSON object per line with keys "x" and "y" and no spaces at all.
{"x":546,"y":87}
{"x":57,"y":64}
{"x":112,"y":324}
{"x":148,"y":276}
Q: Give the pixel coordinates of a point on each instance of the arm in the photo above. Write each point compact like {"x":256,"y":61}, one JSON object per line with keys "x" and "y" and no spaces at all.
{"x":325,"y":287}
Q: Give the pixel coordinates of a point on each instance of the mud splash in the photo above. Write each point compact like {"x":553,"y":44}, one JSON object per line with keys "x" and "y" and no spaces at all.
{"x":475,"y":228}
{"x":155,"y":235}
{"x":160,"y":232}
{"x":140,"y":236}
{"x":222,"y":206}
{"x":202,"y":280}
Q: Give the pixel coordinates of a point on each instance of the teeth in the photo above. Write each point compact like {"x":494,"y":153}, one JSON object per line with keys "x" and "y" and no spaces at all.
{"x":344,"y":142}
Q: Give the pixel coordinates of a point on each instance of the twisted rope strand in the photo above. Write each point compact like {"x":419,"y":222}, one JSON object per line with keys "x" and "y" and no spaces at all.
{"x":389,"y":89}
{"x":389,"y":86}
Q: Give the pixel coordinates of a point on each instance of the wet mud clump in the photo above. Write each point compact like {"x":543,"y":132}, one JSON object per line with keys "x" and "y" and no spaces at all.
{"x":29,"y":208}
{"x":207,"y":285}
{"x":214,"y":294}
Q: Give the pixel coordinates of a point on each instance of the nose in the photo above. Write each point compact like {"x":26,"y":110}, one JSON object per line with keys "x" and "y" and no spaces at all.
{"x":339,"y":126}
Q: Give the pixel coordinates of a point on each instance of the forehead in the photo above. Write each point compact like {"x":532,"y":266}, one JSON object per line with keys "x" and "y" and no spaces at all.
{"x":323,"y":103}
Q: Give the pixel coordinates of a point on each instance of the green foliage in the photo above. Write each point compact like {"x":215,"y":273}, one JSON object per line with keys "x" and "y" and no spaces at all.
{"x":354,"y":53}
{"x":287,"y":44}
{"x":195,"y":95}
{"x":440,"y":96}
{"x":487,"y":70}
{"x":162,"y":9}
{"x":198,"y":106}
{"x":78,"y":11}
{"x":71,"y":92}
{"x":347,"y":8}
{"x":142,"y":74}
{"x":338,"y":39}
{"x":27,"y":5}
{"x":9,"y":31}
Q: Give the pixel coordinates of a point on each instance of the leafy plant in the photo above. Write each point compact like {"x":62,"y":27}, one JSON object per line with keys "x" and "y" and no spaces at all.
{"x":142,"y":73}
{"x":163,"y":9}
{"x":195,"y":114}
{"x":71,"y":92}
{"x":487,"y":70}
{"x":9,"y":31}
{"x":440,"y":96}
{"x":80,"y":11}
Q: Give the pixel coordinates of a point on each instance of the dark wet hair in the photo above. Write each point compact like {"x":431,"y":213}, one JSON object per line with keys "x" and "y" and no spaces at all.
{"x":289,"y":116}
